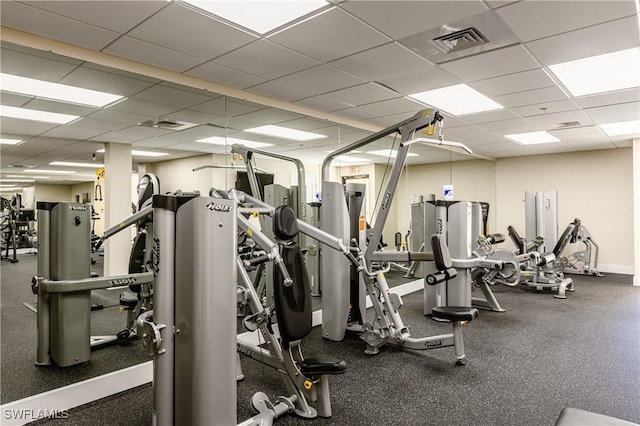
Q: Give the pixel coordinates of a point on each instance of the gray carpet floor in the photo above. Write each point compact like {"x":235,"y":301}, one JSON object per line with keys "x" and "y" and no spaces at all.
{"x":523,"y":365}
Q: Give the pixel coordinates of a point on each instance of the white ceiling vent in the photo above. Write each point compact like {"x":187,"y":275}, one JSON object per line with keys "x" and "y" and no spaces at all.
{"x":566,"y":124}
{"x":167,"y":124}
{"x":459,"y":40}
{"x":465,"y":37}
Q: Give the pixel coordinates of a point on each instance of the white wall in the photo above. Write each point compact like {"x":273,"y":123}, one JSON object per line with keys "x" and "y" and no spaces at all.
{"x":52,"y":192}
{"x":595,"y":186}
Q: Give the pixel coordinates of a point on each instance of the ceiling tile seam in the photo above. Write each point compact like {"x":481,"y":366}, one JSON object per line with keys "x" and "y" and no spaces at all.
{"x":26,"y":159}
{"x":363,"y":22}
{"x":300,"y":20}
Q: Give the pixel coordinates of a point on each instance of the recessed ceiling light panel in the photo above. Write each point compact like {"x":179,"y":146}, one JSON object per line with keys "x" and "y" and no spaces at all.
{"x":137,"y":153}
{"x":219,"y":140}
{"x":623,"y":128}
{"x":532,"y":138}
{"x":36,"y":115}
{"x":285,"y":133}
{"x":73,"y":164}
{"x":459,"y":99}
{"x":5,"y":141}
{"x":601,"y":73}
{"x":390,"y":153}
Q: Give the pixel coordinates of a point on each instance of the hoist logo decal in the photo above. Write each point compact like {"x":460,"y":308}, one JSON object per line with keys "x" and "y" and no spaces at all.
{"x":218,"y":207}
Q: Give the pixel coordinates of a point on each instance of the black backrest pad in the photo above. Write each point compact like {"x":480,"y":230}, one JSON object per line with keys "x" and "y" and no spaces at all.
{"x":441,"y":255}
{"x":293,"y":303}
{"x":517,"y":239}
{"x":564,"y":240}
{"x":136,"y":258}
{"x":285,"y":225}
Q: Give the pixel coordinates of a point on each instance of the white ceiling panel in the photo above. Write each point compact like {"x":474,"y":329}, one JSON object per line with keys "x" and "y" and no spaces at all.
{"x":399,"y":19}
{"x":226,"y":107}
{"x":623,"y":143}
{"x":190,"y":116}
{"x":26,"y":18}
{"x":495,"y":63}
{"x":614,"y":113}
{"x":24,"y":127}
{"x":25,"y":65}
{"x":321,"y":103}
{"x":591,"y":41}
{"x":266,"y":59}
{"x":393,"y":106}
{"x":59,"y":107}
{"x":499,"y":3}
{"x":225,"y":75}
{"x":141,"y":51}
{"x":362,"y":94}
{"x":518,"y":82}
{"x":278,"y":91}
{"x":184,"y":30}
{"x":545,"y":107}
{"x":102,"y":13}
{"x":619,"y":97}
{"x":99,"y":125}
{"x":320,"y":79}
{"x":486,"y":117}
{"x":419,"y":81}
{"x":531,"y":21}
{"x":330,"y":35}
{"x":136,"y":106}
{"x":305,"y":123}
{"x":356,"y":113}
{"x":131,"y":134}
{"x":380,"y":62}
{"x":517,"y":125}
{"x":531,"y":97}
{"x":120,"y":117}
{"x":547,"y":121}
{"x":39,"y":145}
{"x":158,"y":142}
{"x":590,"y":144}
{"x":169,"y":96}
{"x":11,"y":99}
{"x":104,"y":82}
{"x":73,"y":132}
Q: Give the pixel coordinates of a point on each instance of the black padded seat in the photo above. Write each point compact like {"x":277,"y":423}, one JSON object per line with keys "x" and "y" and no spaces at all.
{"x":319,"y":365}
{"x":576,"y":417}
{"x":128,"y":299}
{"x":454,"y":313}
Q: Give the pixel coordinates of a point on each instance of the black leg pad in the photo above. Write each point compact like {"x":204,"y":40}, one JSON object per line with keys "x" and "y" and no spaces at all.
{"x":322,"y":364}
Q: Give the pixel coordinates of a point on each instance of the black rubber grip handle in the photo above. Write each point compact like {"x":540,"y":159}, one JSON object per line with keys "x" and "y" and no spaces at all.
{"x":495,"y":238}
{"x":257,"y":260}
{"x":441,"y":276}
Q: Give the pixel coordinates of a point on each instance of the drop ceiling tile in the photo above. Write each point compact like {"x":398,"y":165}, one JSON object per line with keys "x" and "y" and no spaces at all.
{"x":321,"y":103}
{"x":547,"y":121}
{"x":495,"y":63}
{"x":137,"y":106}
{"x":131,"y":134}
{"x":355,"y":113}
{"x":119,"y":17}
{"x":591,"y":145}
{"x":486,"y":117}
{"x":225,"y":75}
{"x":517,"y":125}
{"x":532,"y":20}
{"x":59,"y":107}
{"x":578,"y":135}
{"x":531,"y":97}
{"x":586,"y":42}
{"x":382,"y":61}
{"x":614,"y":113}
{"x":32,"y":66}
{"x":619,"y":97}
{"x":119,"y":72}
{"x":37,"y":21}
{"x":266,"y":60}
{"x":202,"y":147}
{"x":320,"y":79}
{"x":14,"y":100}
{"x":362,"y":94}
{"x":184,"y":30}
{"x":518,"y":82}
{"x":392,"y":107}
{"x":420,"y":81}
{"x":99,"y":125}
{"x":24,"y":127}
{"x":545,"y":107}
{"x":269,"y":116}
{"x":330,"y":35}
{"x":77,"y":133}
{"x":226,"y":107}
{"x":307,"y":123}
{"x":399,"y":19}
{"x":104,"y":82}
{"x":119,"y":116}
{"x":274,"y":90}
{"x":190,"y":116}
{"x":169,"y":96}
{"x":160,"y":142}
{"x":151,"y":54}
{"x":623,"y":143}
{"x":499,"y":3}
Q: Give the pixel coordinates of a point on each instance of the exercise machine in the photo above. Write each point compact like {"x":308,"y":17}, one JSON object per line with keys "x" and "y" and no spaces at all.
{"x":581,"y":262}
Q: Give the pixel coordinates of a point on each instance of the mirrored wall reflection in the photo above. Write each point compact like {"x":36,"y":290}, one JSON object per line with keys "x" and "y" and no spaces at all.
{"x":184,"y":136}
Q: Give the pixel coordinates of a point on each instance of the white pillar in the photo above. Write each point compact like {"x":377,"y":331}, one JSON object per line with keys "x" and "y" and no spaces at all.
{"x":636,"y":211}
{"x":117,"y":159}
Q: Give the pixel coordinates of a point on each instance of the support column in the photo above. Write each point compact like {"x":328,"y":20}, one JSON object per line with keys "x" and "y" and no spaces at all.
{"x":636,"y":211}
{"x":117,"y":159}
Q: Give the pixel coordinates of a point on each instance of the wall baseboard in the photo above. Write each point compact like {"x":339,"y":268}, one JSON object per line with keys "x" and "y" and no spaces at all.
{"x":616,"y":269}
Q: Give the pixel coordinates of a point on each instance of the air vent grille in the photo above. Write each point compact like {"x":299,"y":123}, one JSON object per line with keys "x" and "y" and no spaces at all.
{"x":566,"y":124}
{"x":459,"y":40}
{"x":167,"y":124}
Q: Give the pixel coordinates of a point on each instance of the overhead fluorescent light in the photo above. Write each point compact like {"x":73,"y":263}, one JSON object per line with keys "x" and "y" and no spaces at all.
{"x":72,"y":164}
{"x":56,"y":91}
{"x":351,"y":159}
{"x":219,"y":140}
{"x":601,"y":73}
{"x":36,"y":115}
{"x":353,"y":152}
{"x":459,"y":99}
{"x":137,"y":153}
{"x":5,"y":141}
{"x":30,"y":177}
{"x":390,"y":153}
{"x":259,"y":16}
{"x":621,"y":128}
{"x":52,"y":172}
{"x":8,"y":185}
{"x":17,"y":180}
{"x":285,"y":133}
{"x":532,"y":138}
